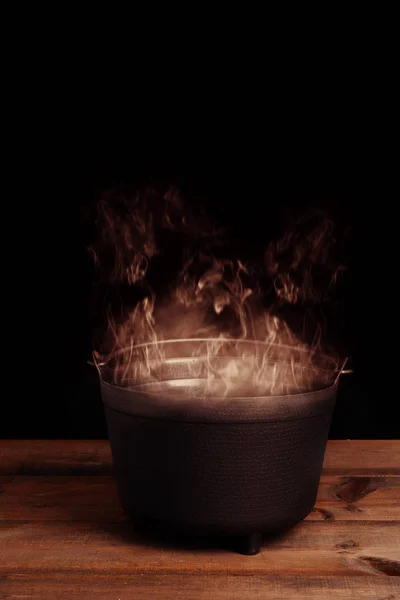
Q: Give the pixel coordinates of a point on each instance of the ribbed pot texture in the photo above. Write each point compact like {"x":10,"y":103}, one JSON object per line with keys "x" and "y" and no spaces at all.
{"x":215,"y":466}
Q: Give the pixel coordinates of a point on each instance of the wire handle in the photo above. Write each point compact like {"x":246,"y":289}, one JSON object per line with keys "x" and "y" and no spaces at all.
{"x":343,"y":371}
{"x":96,"y":363}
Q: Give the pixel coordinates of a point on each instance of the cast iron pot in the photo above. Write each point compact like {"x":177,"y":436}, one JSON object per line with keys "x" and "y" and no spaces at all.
{"x":239,"y":466}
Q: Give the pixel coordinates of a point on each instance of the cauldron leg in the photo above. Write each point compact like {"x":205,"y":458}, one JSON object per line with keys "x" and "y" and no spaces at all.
{"x":250,"y":544}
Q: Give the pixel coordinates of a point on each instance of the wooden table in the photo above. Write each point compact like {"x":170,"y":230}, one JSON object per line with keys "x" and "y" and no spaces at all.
{"x":63,"y":534}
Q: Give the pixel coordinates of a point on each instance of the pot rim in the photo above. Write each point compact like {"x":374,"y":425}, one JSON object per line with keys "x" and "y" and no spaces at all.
{"x":277,"y":397}
{"x":172,"y":394}
{"x":218,"y":410}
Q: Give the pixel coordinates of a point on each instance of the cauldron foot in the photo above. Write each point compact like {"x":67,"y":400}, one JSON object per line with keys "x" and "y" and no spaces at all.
{"x":250,"y":544}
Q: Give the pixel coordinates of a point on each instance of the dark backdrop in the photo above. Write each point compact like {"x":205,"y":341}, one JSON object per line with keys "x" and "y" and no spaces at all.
{"x":54,"y":392}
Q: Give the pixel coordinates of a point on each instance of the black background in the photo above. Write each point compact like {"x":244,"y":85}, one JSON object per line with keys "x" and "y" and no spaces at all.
{"x":248,"y":180}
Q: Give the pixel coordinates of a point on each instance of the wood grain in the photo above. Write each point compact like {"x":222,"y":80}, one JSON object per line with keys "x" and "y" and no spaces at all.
{"x":64,"y":535}
{"x":54,"y":457}
{"x":94,"y":497}
{"x":306,"y":535}
{"x":175,"y":586}
{"x":81,"y":457}
{"x":309,"y":550}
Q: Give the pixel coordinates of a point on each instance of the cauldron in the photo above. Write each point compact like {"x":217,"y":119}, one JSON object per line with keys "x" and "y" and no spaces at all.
{"x":202,"y":464}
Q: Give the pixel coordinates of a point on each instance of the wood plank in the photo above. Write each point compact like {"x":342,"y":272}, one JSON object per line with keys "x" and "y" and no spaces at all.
{"x":81,"y":457}
{"x":151,"y":586}
{"x":356,"y":457}
{"x":55,"y":457}
{"x":310,"y":548}
{"x":152,"y":557}
{"x":340,"y":536}
{"x":95,"y":498}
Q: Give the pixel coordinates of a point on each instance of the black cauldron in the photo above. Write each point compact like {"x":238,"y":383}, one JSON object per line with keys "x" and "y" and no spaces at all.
{"x":234,"y":466}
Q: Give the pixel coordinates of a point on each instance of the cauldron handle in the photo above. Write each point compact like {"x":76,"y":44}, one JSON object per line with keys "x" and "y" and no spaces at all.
{"x":343,"y":371}
{"x":95,"y":362}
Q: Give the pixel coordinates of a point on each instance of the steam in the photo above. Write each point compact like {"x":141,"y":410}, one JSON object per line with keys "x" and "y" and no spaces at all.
{"x":211,"y":325}
{"x":126,"y":240}
{"x":302,"y":256}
